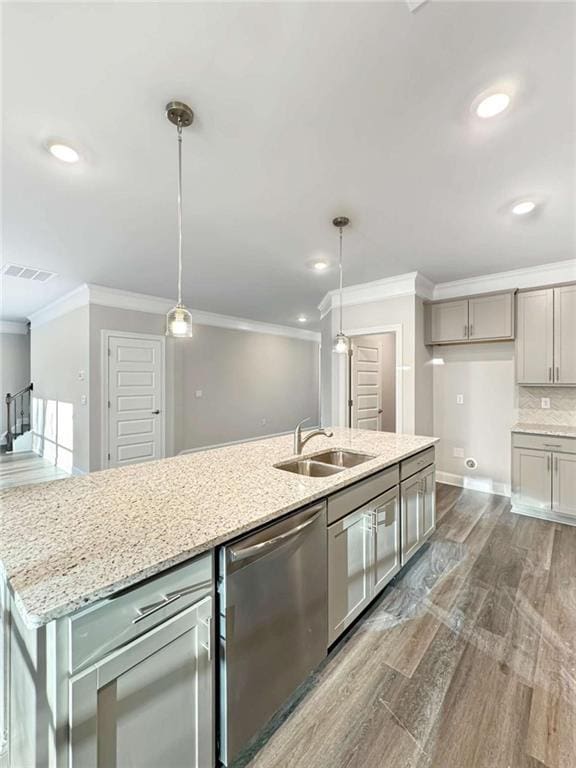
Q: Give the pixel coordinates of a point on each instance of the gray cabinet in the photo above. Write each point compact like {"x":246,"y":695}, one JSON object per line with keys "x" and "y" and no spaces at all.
{"x":544,"y":476}
{"x":447,"y":322}
{"x":363,"y":555}
{"x":491,"y":317}
{"x":531,"y":478}
{"x":150,"y":702}
{"x":418,"y":511}
{"x":545,"y":346}
{"x":565,"y":334}
{"x":564,"y":484}
{"x":487,"y":317}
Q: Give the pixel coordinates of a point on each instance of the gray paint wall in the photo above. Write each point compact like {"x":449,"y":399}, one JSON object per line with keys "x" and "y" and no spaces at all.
{"x":14,"y":367}
{"x":484,"y":374}
{"x":58,"y":352}
{"x":246,"y":378}
{"x":424,"y":377}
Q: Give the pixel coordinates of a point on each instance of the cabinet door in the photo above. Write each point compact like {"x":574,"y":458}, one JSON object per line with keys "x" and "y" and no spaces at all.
{"x":564,"y":483}
{"x":411,"y":499}
{"x":386,"y":538}
{"x":532,"y":478}
{"x":149,"y":703}
{"x":491,"y":317}
{"x":447,"y":321}
{"x":349,"y":568}
{"x":565,"y":334}
{"x":428,"y":498}
{"x":534,"y":337}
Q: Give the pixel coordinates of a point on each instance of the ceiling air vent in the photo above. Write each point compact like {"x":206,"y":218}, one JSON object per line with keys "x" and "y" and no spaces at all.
{"x":27,"y":273}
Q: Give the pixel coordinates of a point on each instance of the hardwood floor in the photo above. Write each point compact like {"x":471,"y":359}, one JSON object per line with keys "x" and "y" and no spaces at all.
{"x":26,"y":468}
{"x":467,"y":661}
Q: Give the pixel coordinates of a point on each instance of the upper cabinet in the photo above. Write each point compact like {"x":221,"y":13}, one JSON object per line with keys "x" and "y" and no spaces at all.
{"x":545,"y":346}
{"x":488,"y":317}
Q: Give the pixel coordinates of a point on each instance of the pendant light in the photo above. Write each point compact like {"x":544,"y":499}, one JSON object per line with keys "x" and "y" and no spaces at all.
{"x":341,"y":340}
{"x":179,"y":319}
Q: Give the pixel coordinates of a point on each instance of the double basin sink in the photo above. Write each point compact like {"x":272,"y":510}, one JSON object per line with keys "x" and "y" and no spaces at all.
{"x":325,"y":464}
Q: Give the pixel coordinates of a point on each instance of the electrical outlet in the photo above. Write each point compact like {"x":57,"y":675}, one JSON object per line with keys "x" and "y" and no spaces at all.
{"x":84,"y":399}
{"x":81,"y":375}
{"x":198,"y":393}
{"x":545,"y":402}
{"x":458,"y":453}
{"x":459,"y":399}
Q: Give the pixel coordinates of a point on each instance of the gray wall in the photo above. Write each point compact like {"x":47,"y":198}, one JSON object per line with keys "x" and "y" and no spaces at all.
{"x":58,"y":352}
{"x":424,"y":378}
{"x":252,"y":384}
{"x":14,"y":366}
{"x":484,"y":374}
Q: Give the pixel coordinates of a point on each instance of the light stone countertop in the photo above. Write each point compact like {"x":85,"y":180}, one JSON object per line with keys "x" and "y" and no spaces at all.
{"x":68,"y":543}
{"x":552,"y":430}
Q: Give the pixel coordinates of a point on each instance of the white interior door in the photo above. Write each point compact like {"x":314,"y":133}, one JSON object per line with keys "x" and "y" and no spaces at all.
{"x":135,"y":399}
{"x":366,"y":383}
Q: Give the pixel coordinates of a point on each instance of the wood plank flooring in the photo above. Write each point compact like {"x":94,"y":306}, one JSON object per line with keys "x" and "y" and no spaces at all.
{"x":26,"y":468}
{"x":467,"y":661}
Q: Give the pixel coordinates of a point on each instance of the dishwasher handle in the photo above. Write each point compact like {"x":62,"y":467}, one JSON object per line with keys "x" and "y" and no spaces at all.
{"x":243,"y":554}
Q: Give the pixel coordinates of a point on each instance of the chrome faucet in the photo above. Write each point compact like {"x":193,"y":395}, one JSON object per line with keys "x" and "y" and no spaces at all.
{"x":300,"y":442}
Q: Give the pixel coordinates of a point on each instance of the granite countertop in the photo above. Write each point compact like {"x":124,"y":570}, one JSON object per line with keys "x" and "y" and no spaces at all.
{"x":67,"y":543}
{"x":552,"y":430}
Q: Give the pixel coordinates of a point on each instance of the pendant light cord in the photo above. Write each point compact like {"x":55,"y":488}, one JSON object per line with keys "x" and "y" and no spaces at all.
{"x":341,"y":271}
{"x":179,"y":129}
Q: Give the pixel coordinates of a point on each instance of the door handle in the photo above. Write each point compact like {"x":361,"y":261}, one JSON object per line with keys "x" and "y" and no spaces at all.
{"x":156,"y":412}
{"x":143,"y":613}
{"x":243,"y":554}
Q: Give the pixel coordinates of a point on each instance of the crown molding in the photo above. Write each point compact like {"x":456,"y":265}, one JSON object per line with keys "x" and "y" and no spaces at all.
{"x":409,"y":284}
{"x":13,"y":326}
{"x":79,"y":297}
{"x":527,"y":277}
{"x":156,"y":305}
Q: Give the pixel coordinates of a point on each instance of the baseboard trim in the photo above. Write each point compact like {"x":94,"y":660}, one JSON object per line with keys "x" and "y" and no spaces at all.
{"x":483,"y":484}
{"x":541,"y":514}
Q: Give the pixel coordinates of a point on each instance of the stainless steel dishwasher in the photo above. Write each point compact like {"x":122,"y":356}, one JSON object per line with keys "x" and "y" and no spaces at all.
{"x":273,"y":621}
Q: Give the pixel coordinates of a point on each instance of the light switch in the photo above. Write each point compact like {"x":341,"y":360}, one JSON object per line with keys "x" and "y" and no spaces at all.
{"x":458,"y":453}
{"x":545,"y":401}
{"x":459,"y":399}
{"x":198,"y":393}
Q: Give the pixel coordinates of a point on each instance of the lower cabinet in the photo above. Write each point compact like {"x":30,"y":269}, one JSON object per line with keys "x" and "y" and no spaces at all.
{"x":544,"y":476}
{"x":363,"y":555}
{"x":418,"y":511}
{"x":150,"y":702}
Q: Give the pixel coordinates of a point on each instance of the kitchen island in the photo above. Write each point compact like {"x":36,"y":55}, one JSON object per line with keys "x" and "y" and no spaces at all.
{"x":105,"y":572}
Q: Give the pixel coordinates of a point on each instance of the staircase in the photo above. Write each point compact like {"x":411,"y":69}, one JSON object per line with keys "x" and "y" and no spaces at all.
{"x":18,"y":417}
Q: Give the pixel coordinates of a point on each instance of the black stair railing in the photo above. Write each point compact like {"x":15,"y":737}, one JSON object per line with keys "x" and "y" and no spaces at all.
{"x":18,"y":414}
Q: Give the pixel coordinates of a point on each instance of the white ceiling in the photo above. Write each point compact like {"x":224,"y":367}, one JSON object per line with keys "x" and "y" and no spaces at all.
{"x":304,"y":111}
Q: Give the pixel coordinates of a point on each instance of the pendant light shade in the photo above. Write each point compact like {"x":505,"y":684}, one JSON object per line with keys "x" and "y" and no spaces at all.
{"x":179,"y":319}
{"x":341,"y":345}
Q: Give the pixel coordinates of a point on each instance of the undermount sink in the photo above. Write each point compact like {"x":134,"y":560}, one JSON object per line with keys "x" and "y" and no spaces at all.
{"x":309,"y":468}
{"x":326,"y":463}
{"x":339,"y":458}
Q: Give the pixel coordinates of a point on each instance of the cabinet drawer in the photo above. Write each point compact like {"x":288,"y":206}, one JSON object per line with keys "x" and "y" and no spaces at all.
{"x":123,"y":617}
{"x":414,"y":464}
{"x":357,"y":495}
{"x":544,"y":442}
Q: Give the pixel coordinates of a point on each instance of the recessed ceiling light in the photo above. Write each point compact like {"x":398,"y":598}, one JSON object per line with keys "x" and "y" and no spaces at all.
{"x":523,"y":207}
{"x":302,"y":319}
{"x":320,"y":266}
{"x":492,"y":105}
{"x":63,"y":152}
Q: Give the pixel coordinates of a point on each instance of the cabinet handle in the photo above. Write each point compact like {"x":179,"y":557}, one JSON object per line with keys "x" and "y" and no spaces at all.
{"x":552,"y":445}
{"x":208,"y":644}
{"x":143,"y":613}
{"x":465,"y":331}
{"x":550,"y":373}
{"x":471,"y":330}
{"x":557,"y":373}
{"x":556,"y":464}
{"x":548,"y":463}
